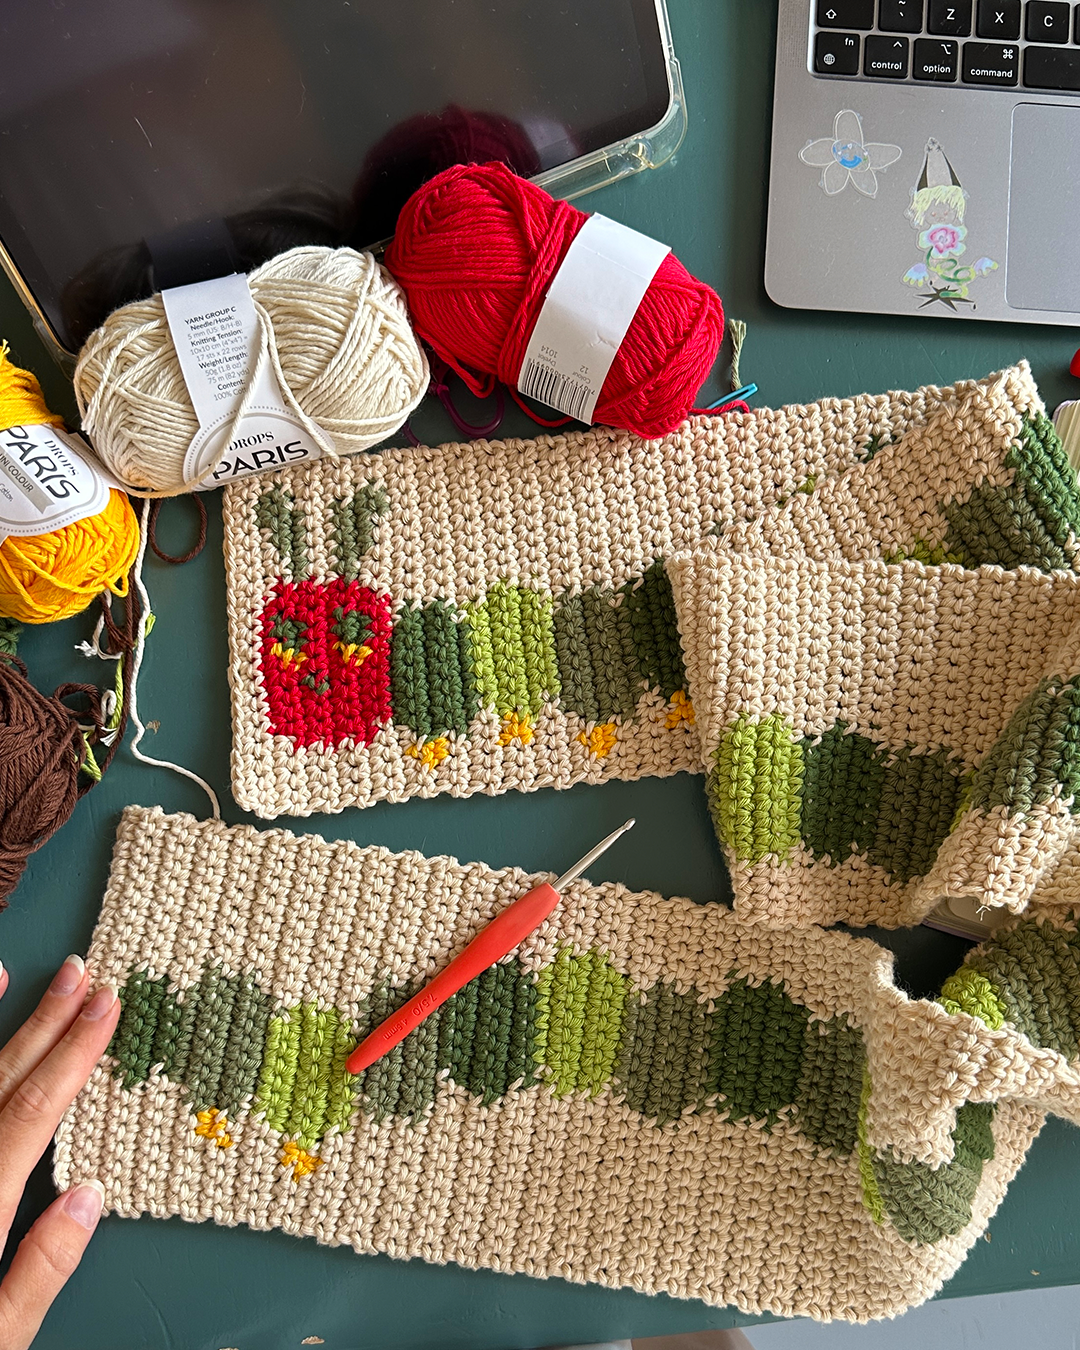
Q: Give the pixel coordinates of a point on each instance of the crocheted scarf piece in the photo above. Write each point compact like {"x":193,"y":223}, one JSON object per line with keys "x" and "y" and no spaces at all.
{"x":481,"y":617}
{"x":829,"y":1146}
{"x":877,"y":737}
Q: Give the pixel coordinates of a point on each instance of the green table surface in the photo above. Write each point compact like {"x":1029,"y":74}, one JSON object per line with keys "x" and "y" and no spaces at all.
{"x":155,"y":1283}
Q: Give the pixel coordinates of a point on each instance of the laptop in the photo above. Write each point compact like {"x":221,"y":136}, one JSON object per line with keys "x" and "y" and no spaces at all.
{"x":926,"y":159}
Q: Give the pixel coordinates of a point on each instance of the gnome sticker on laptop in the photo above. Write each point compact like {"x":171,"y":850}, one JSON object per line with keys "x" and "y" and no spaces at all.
{"x":938,"y":206}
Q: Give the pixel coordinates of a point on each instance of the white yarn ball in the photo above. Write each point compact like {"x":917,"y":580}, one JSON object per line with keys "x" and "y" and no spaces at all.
{"x":344,"y":343}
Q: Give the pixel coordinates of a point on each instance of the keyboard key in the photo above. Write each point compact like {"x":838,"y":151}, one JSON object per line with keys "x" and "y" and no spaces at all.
{"x":1048,"y":21}
{"x":998,"y":19}
{"x":991,"y":63}
{"x":845,"y":14}
{"x":886,"y":58}
{"x":950,"y":18}
{"x":1052,"y":68}
{"x":935,"y":60}
{"x":901,"y":16}
{"x":836,"y":53}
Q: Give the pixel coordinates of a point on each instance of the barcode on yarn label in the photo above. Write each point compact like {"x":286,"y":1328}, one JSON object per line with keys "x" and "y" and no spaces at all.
{"x":557,"y":391}
{"x":47,"y":481}
{"x":589,"y":306}
{"x":218,"y":338}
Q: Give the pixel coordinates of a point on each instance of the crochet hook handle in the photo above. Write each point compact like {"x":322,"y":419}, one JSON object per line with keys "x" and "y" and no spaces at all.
{"x":505,"y":932}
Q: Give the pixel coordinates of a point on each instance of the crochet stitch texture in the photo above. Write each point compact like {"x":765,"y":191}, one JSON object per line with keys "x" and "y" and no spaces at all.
{"x":476,"y":618}
{"x":878,"y":736}
{"x":649,"y":1093}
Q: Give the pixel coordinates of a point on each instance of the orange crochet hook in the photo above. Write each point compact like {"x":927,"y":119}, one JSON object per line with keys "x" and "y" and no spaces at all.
{"x":492,"y":943}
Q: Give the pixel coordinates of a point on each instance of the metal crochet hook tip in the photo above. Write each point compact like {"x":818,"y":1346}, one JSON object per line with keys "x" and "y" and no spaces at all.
{"x":592,"y":855}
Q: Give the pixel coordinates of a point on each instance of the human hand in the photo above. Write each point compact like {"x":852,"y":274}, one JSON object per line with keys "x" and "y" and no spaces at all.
{"x":42,"y":1069}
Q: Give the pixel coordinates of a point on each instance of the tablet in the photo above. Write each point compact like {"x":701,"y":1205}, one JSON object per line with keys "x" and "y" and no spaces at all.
{"x":151,"y":143}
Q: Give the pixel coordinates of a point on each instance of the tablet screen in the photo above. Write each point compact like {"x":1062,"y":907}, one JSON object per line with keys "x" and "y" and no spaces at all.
{"x":144,"y":142}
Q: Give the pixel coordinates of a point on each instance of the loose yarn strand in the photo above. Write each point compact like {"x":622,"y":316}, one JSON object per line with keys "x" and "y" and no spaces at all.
{"x":737,"y":329}
{"x":136,"y":666}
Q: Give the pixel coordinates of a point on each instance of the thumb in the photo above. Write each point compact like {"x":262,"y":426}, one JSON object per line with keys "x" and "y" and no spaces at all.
{"x":45,"y":1260}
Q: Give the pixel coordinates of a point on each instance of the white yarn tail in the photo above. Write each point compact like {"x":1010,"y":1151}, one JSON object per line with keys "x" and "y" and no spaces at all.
{"x":133,"y":702}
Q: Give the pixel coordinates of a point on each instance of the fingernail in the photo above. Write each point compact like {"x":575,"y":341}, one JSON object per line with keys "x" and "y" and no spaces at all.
{"x":85,"y":1203}
{"x":100,"y":1004}
{"x":68,"y":978}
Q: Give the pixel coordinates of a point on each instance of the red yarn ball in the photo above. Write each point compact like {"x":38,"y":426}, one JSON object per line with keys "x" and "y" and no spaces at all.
{"x":475,"y":250}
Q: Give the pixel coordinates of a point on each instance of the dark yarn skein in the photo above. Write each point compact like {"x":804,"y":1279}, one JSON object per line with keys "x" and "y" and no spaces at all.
{"x":42,"y":750}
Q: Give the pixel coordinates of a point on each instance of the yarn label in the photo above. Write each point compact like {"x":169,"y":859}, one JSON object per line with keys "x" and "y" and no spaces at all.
{"x":587,"y":311}
{"x":245,"y":424}
{"x":47,"y":481}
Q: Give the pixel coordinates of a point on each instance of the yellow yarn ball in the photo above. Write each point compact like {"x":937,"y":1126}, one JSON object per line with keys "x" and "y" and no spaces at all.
{"x":52,"y":576}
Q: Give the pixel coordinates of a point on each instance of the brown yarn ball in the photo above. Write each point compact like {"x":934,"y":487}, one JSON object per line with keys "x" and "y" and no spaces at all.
{"x":41,"y":752}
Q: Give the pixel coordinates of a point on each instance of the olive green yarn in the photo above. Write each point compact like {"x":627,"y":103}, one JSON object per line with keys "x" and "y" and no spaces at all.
{"x":1049,"y":480}
{"x":926,"y":1204}
{"x":663,"y":1065}
{"x":284,"y":522}
{"x":1037,"y":756}
{"x":354,"y":524}
{"x":916,"y":806}
{"x":1034,"y":972}
{"x":755,"y":788}
{"x":10,"y":632}
{"x":1001,"y":525}
{"x":597,"y":656}
{"x":830,"y":1085}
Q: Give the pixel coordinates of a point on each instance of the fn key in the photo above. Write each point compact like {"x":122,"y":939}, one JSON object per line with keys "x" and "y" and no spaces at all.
{"x":836,"y":53}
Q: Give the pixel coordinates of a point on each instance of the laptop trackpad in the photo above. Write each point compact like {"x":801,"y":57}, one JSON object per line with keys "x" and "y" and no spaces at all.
{"x":1043,"y":269}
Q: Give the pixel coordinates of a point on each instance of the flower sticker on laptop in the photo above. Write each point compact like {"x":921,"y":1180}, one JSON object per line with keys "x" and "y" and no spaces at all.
{"x":937,"y":210}
{"x":846,"y":157}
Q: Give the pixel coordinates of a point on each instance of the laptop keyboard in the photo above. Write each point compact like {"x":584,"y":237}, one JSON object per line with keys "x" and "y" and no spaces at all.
{"x":993,"y":44}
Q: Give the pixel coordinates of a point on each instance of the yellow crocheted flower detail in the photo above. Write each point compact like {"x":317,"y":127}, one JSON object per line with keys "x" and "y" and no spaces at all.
{"x":212,"y":1125}
{"x":353,"y":653}
{"x":288,"y":656}
{"x":429,"y":753}
{"x":300,"y":1160}
{"x":681,"y":710}
{"x":516,"y":728}
{"x":600,"y":740}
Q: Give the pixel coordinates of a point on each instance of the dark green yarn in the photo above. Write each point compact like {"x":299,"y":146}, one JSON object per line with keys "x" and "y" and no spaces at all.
{"x":1034,"y":969}
{"x":133,"y":1042}
{"x":217,"y":1066}
{"x":843,"y":776}
{"x":1037,"y":755}
{"x":756,"y":1050}
{"x":926,"y":1204}
{"x":830,"y":1085}
{"x":276,"y":513}
{"x":663,"y":1062}
{"x":432,"y":684}
{"x":649,"y":609}
{"x":355,"y":523}
{"x":452,"y":702}
{"x":917,"y":804}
